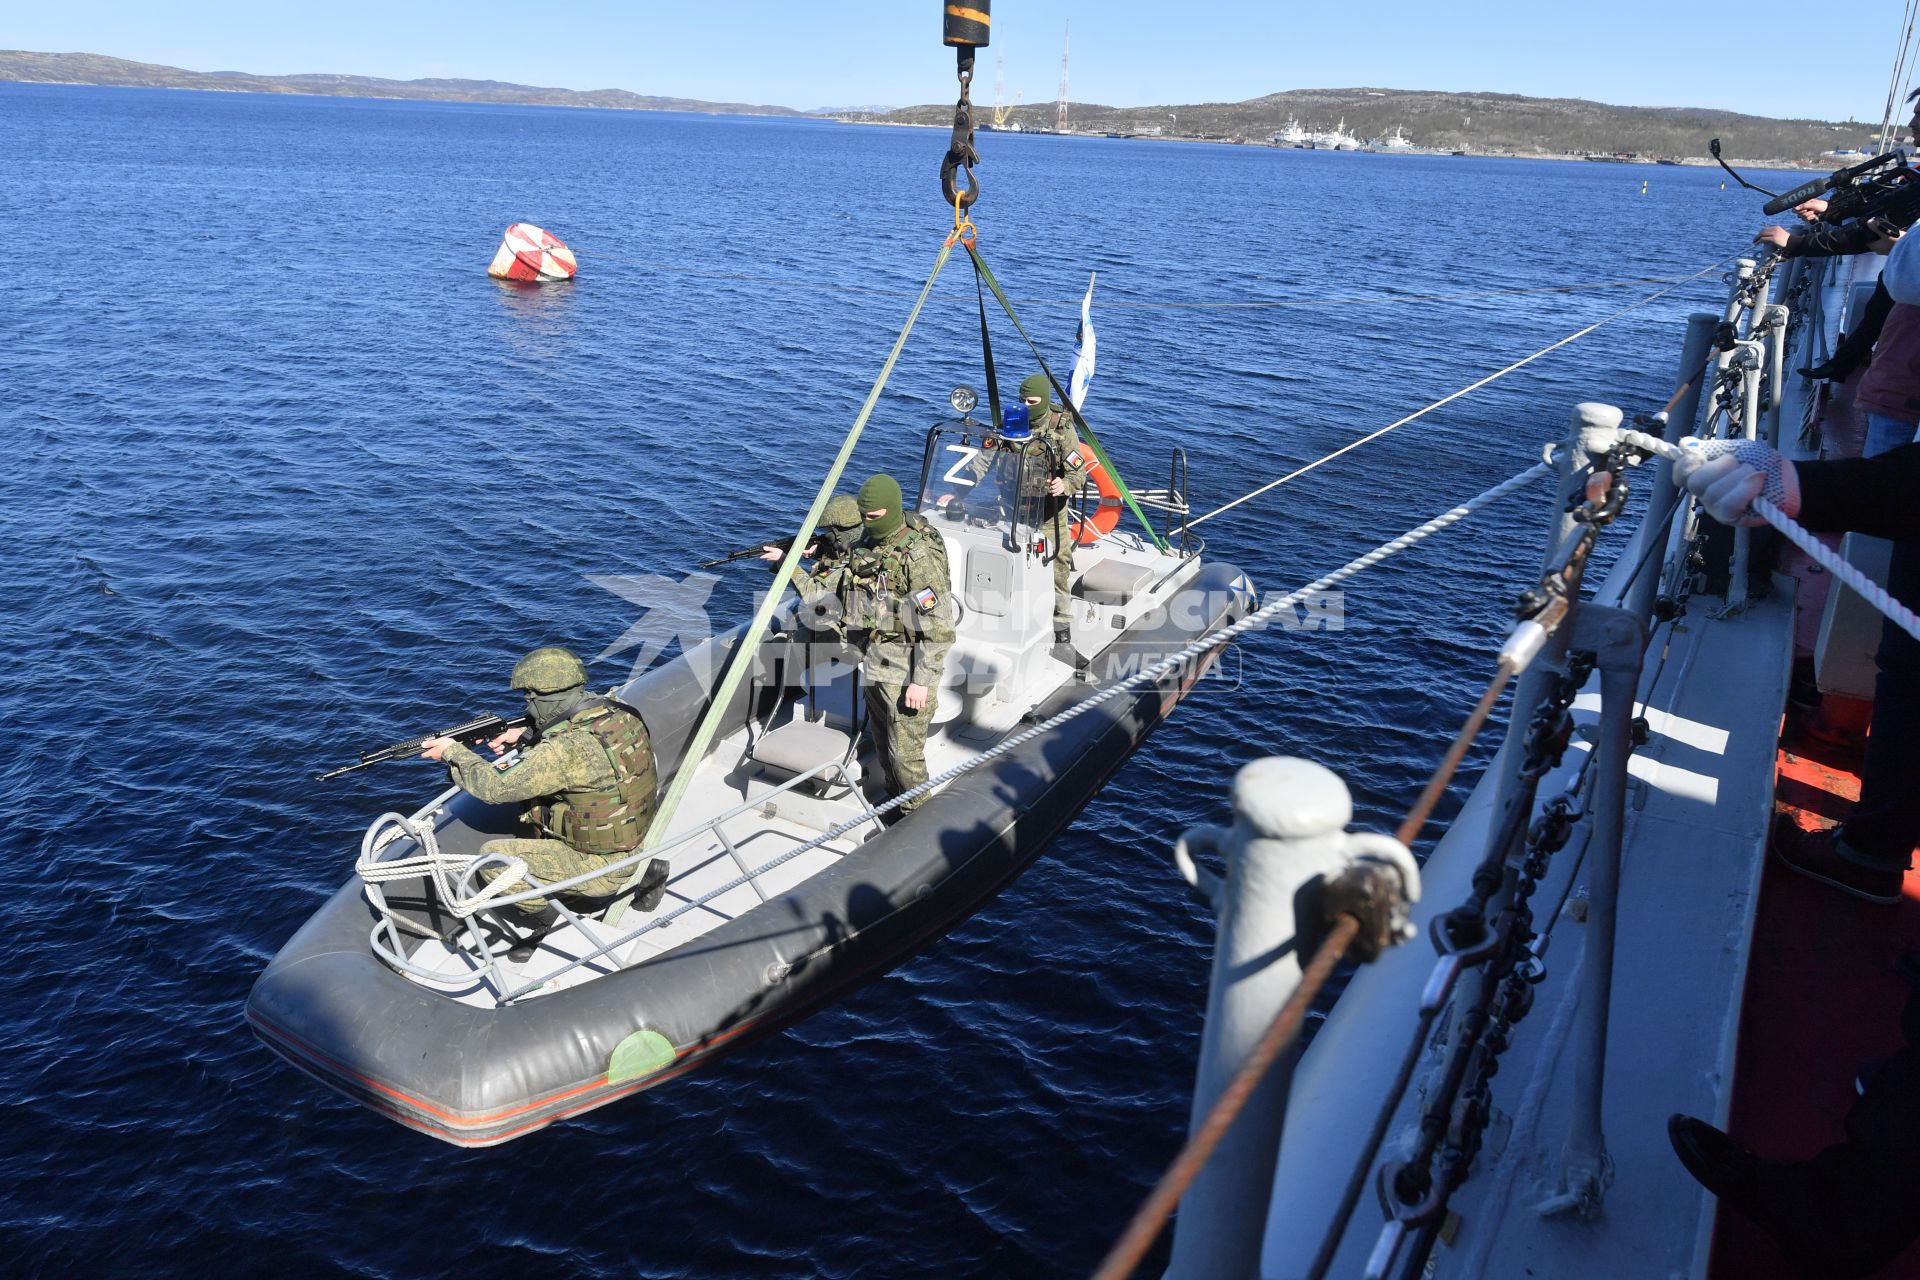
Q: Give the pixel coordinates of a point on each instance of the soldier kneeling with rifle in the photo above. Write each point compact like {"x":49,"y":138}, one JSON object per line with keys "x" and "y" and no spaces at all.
{"x":586,"y":782}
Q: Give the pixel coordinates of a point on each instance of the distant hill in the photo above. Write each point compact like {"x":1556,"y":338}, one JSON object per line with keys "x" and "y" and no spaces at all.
{"x":93,"y":68}
{"x":1455,"y":121}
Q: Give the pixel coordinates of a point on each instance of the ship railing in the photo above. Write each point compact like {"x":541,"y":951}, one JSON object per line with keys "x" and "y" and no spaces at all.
{"x":459,"y":889}
{"x":1283,"y":843}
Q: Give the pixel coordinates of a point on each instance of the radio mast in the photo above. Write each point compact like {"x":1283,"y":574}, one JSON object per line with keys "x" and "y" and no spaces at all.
{"x":1060,"y":116}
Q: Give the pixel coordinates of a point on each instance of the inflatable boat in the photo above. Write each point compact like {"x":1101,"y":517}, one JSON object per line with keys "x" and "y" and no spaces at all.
{"x":788,"y":888}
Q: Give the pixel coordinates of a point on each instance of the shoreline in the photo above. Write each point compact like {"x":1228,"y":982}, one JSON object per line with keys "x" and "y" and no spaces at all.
{"x":1674,"y":162}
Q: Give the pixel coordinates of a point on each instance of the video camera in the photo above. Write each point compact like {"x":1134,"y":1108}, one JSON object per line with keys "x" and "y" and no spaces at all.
{"x":1866,"y":190}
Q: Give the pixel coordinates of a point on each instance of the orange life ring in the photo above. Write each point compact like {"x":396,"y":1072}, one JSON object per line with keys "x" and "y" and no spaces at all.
{"x":1106,"y":517}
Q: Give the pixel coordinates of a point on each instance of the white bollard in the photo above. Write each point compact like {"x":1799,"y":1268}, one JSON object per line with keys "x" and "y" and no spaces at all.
{"x":1288,"y":840}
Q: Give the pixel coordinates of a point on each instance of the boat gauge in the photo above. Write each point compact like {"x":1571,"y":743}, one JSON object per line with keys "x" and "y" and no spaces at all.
{"x":963,"y":399}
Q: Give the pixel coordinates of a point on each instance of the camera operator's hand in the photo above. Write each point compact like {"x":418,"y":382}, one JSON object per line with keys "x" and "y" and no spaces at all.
{"x":1810,"y":210}
{"x":1775,"y":236}
{"x":1887,"y":232}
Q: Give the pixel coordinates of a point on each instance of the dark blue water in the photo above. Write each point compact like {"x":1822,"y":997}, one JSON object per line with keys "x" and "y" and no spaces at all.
{"x":285,"y":475}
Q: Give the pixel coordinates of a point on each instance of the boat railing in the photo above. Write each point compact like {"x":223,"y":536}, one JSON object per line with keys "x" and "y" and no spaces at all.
{"x":458,"y":888}
{"x":1490,"y":955}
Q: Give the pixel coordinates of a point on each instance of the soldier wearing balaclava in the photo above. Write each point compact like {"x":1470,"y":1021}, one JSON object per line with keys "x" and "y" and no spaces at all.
{"x":586,"y":784}
{"x":898,"y":598}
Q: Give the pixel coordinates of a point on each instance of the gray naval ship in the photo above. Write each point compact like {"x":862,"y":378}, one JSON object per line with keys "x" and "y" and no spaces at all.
{"x":1586,"y":950}
{"x":791,"y":882}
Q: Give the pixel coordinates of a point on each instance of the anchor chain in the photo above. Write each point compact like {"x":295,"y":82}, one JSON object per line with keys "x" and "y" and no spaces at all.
{"x":1414,"y":1192}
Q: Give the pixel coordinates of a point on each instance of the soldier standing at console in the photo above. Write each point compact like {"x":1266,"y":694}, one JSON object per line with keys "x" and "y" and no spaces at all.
{"x":1053,"y":466}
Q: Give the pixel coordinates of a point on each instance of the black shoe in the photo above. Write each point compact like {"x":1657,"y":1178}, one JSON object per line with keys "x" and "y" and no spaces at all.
{"x":1908,"y":966}
{"x":1820,"y":855}
{"x":1717,"y":1163}
{"x":652,"y":886}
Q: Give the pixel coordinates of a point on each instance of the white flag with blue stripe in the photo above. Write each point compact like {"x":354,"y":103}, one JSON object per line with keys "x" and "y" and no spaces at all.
{"x":1084,"y":352}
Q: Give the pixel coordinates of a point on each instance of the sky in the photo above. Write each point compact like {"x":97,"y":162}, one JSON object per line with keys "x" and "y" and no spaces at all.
{"x":833,"y":53}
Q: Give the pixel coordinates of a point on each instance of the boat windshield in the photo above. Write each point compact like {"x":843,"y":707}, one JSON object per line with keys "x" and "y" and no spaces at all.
{"x":982,"y":478}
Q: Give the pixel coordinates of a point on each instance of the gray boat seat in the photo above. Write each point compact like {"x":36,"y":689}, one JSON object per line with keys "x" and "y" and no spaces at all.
{"x":800,"y":745}
{"x":1113,"y":582}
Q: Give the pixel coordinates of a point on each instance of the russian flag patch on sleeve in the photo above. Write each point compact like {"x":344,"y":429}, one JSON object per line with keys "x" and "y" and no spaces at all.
{"x":927,"y":598}
{"x":1075,"y":459}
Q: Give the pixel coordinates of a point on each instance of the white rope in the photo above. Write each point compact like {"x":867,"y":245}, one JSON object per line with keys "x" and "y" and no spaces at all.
{"x":1870,"y":591}
{"x":1165,"y":666}
{"x":449,"y":872}
{"x":1492,"y":377}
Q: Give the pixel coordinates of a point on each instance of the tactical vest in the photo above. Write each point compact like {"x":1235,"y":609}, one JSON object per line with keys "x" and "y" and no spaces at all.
{"x":604,"y":822}
{"x":876,"y":582}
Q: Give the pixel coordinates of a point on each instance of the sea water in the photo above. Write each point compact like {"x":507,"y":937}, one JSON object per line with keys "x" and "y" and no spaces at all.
{"x":286,"y":476}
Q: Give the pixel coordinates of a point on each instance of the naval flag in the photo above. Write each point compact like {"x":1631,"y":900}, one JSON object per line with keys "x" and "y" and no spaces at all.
{"x":1083,"y":353}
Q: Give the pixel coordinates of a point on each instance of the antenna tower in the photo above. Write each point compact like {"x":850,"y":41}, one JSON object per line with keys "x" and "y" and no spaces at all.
{"x":1060,"y":116}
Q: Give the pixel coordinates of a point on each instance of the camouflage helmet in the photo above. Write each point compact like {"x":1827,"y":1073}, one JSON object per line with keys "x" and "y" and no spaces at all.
{"x":843,"y":512}
{"x":548,"y":669}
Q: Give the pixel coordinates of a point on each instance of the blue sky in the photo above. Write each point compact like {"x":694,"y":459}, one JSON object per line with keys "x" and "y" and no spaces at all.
{"x":1125,"y":52}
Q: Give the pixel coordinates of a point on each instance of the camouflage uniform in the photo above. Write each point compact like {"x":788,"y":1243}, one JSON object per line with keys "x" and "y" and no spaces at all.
{"x":589,"y":783}
{"x":898,"y":595}
{"x":819,"y":587}
{"x":1054,"y":452}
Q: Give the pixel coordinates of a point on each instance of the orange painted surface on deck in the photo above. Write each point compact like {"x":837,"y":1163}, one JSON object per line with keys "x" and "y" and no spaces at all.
{"x":1822,"y":994}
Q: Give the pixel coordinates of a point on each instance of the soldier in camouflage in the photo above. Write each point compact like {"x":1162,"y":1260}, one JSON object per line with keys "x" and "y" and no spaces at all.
{"x":819,"y":587}
{"x":586,"y":783}
{"x":898,"y":599}
{"x":1055,"y":468}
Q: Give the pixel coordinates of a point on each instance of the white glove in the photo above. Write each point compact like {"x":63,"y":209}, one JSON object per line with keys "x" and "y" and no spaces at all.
{"x":1727,"y":475}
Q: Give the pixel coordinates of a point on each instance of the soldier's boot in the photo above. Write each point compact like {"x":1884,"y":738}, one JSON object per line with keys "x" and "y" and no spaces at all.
{"x":528,"y":928}
{"x":1063,"y":651}
{"x":652,"y":886}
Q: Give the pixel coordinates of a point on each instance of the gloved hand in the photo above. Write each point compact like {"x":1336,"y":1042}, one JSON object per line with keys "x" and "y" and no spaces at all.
{"x":1727,"y":475}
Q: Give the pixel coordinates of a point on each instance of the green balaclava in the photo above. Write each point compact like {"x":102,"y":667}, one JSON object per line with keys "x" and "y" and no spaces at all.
{"x":881,"y":491}
{"x":842,"y":522}
{"x":1038,"y":385}
{"x":553,"y":681}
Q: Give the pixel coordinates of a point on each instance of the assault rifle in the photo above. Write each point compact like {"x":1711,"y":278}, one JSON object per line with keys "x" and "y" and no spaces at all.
{"x":755,"y":551}
{"x":478,"y":729}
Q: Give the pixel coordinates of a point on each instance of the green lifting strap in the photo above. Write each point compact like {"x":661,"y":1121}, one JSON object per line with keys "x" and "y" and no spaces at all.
{"x":742,"y":659}
{"x":1080,"y":423}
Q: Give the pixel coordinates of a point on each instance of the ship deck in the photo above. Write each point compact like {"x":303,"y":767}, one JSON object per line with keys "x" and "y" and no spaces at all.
{"x":1698,"y":807}
{"x":1822,"y":997}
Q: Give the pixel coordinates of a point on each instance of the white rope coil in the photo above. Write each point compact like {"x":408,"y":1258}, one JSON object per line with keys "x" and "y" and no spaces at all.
{"x":1870,"y":591}
{"x":451,"y":874}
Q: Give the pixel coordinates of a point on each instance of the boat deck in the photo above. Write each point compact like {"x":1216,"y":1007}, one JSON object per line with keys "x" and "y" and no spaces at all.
{"x":772,"y":821}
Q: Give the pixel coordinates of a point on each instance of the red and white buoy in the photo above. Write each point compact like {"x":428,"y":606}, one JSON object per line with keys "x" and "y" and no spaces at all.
{"x":530,"y":255}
